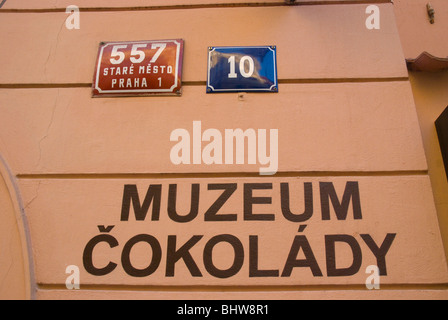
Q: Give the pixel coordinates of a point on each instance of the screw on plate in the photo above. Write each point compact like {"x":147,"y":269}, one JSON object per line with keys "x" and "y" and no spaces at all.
{"x":431,"y":13}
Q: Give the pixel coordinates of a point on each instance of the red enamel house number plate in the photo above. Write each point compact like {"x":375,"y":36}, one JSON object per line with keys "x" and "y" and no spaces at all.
{"x":139,"y":68}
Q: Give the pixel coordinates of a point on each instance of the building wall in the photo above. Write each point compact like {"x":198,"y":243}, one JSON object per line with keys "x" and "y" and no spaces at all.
{"x":416,"y":32}
{"x":349,"y":140}
{"x":431,"y":100}
{"x":429,"y":88}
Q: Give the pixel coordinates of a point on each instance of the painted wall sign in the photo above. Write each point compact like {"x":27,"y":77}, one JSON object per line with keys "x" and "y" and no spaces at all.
{"x":234,"y":69}
{"x":139,"y":68}
{"x":235,"y":231}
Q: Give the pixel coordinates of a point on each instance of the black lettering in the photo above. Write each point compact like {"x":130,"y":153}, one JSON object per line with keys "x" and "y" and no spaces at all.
{"x":301,"y":242}
{"x":237,"y":261}
{"x":194,"y":207}
{"x":250,"y":200}
{"x":284,"y":187}
{"x":380,"y":253}
{"x":155,"y":260}
{"x":88,"y":252}
{"x":211,"y":214}
{"x":351,"y":193}
{"x":332,"y":270}
{"x":254,"y":272}
{"x":153,"y":195}
{"x":183,"y":253}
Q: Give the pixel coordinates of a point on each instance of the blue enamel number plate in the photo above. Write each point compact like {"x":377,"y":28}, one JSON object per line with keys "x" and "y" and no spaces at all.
{"x":242,"y":69}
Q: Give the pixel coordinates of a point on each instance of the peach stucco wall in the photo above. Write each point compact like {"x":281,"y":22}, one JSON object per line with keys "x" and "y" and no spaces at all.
{"x":346,"y":118}
{"x":431,"y":98}
{"x":417,"y":33}
{"x":429,"y":88}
